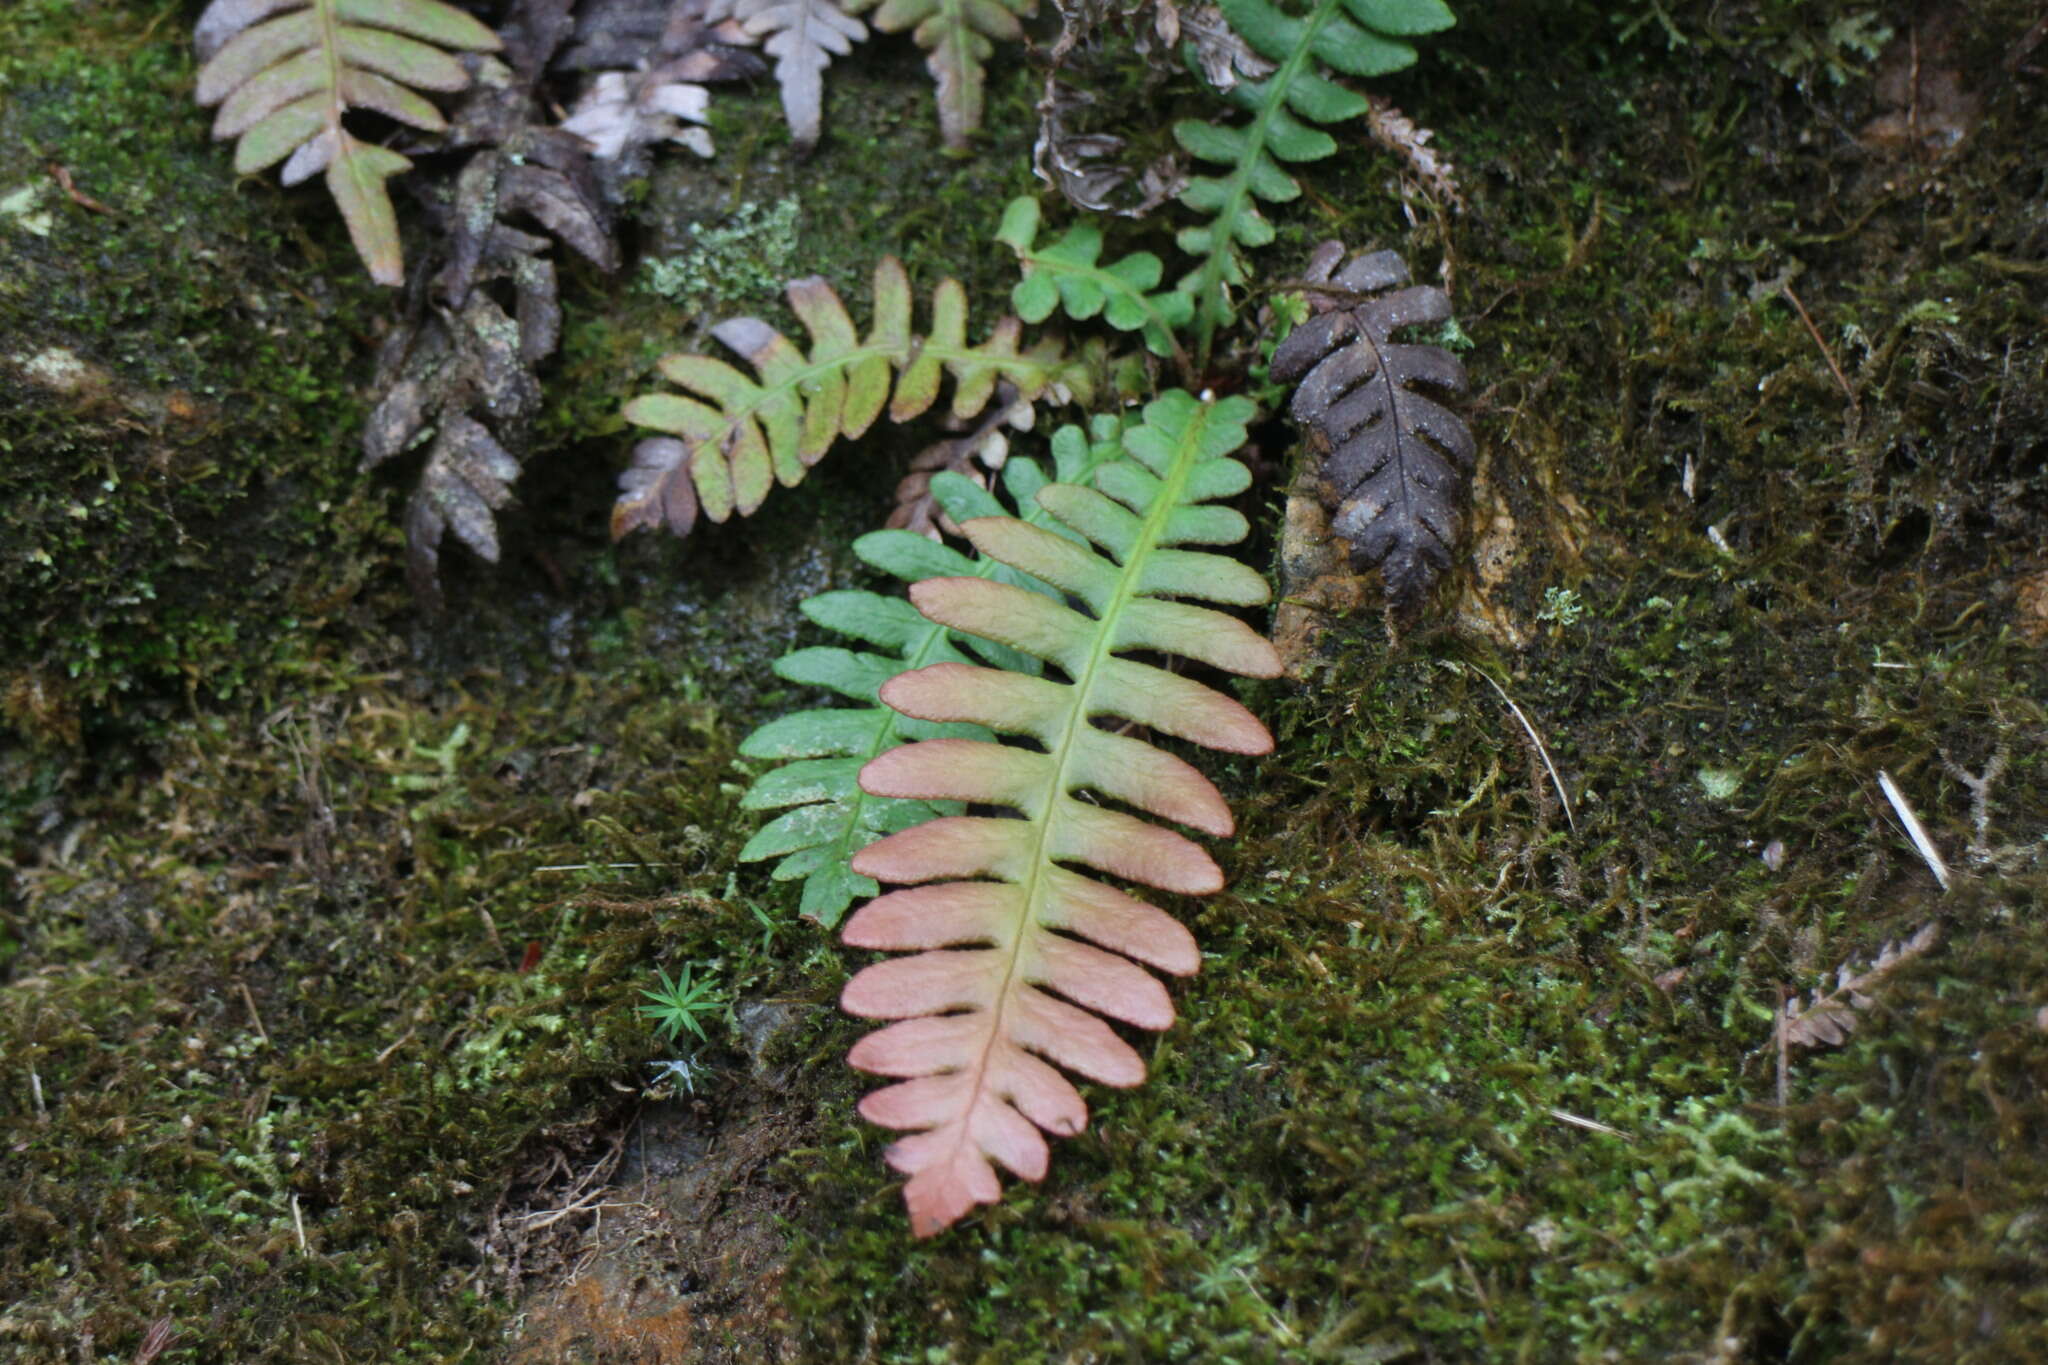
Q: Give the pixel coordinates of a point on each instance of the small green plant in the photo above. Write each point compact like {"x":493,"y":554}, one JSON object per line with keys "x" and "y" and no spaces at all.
{"x":683,"y":1003}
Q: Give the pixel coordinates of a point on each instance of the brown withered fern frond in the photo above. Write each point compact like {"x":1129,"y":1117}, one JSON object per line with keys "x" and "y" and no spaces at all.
{"x":1394,"y":458}
{"x":1013,"y":946}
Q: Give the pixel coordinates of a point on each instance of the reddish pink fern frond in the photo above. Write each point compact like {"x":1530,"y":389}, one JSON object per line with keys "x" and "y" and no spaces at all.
{"x":1017,"y":951}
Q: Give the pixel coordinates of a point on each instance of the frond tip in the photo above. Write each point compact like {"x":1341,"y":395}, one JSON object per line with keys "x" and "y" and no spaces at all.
{"x":285,"y":72}
{"x":1015,"y":946}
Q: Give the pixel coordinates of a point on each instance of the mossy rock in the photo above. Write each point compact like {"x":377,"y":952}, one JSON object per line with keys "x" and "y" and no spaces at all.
{"x":178,"y":386}
{"x":318,"y":994}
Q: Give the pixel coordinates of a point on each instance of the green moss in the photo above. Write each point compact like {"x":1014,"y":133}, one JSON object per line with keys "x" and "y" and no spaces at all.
{"x":1458,"y":1080}
{"x":177,"y":400}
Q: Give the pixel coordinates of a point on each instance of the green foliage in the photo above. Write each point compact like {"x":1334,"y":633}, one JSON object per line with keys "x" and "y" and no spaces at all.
{"x":730,"y":437}
{"x":1351,"y":37}
{"x":1066,"y":274}
{"x":987,"y":994}
{"x":827,"y":816}
{"x":683,"y":1003}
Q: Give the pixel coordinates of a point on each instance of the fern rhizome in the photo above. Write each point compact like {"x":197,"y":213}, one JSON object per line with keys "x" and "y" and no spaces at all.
{"x":994,"y":789}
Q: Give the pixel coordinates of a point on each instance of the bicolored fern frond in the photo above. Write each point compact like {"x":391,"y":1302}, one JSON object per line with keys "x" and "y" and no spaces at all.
{"x":958,"y":36}
{"x":1015,"y":946}
{"x":1123,"y":293}
{"x":731,"y":436}
{"x":286,"y":72}
{"x":826,"y":818}
{"x":1352,"y":38}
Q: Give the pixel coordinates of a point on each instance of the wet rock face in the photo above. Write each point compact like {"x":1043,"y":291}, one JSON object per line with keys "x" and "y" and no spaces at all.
{"x":174,"y":384}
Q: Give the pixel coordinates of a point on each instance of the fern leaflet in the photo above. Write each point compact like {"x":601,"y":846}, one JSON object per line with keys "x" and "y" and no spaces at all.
{"x":721,"y":456}
{"x":1065,"y":273}
{"x":987,"y":994}
{"x":286,"y":72}
{"x":826,"y":817}
{"x":1354,"y":37}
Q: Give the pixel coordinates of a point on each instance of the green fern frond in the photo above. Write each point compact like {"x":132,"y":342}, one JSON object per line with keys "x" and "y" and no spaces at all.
{"x":826,"y":817}
{"x":1066,"y":273}
{"x":1351,"y":37}
{"x":285,"y":74}
{"x":1014,"y":942}
{"x":729,"y":436}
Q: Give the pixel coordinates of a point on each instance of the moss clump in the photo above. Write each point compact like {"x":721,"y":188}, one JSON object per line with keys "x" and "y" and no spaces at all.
{"x":176,"y":385}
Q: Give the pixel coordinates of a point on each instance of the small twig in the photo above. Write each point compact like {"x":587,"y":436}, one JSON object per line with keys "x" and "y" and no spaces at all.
{"x":35,"y":1091}
{"x":586,"y":867}
{"x":1915,"y":831}
{"x":1542,"y":749}
{"x":155,"y":1341}
{"x":299,"y":1226}
{"x":62,"y":175}
{"x":1980,"y":785}
{"x":385,"y":1055}
{"x":1784,"y":1050}
{"x":1825,"y":353}
{"x":254,"y":1017}
{"x":1591,"y":1125}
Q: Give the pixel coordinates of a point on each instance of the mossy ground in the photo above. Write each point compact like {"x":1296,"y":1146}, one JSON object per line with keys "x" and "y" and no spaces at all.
{"x":319,"y":1004}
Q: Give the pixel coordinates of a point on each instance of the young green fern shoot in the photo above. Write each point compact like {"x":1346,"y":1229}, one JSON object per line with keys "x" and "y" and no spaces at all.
{"x":1014,"y":946}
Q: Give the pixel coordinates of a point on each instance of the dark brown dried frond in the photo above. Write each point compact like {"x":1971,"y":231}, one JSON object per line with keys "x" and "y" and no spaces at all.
{"x":1400,"y":135}
{"x":486,"y":311}
{"x":1394,"y":459}
{"x":1828,"y":1020}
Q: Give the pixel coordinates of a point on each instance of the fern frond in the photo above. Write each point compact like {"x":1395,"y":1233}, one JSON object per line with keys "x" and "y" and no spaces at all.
{"x":957,"y":36}
{"x":803,"y":36}
{"x":1010,"y":963}
{"x":1351,"y":37}
{"x":740,"y":434}
{"x":827,"y":817}
{"x":1394,"y":458}
{"x":1066,"y":273}
{"x":286,"y":72}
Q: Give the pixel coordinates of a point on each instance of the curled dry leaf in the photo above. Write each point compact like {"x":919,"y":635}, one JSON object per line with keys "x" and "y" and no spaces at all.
{"x":917,"y":507}
{"x":1399,"y":134}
